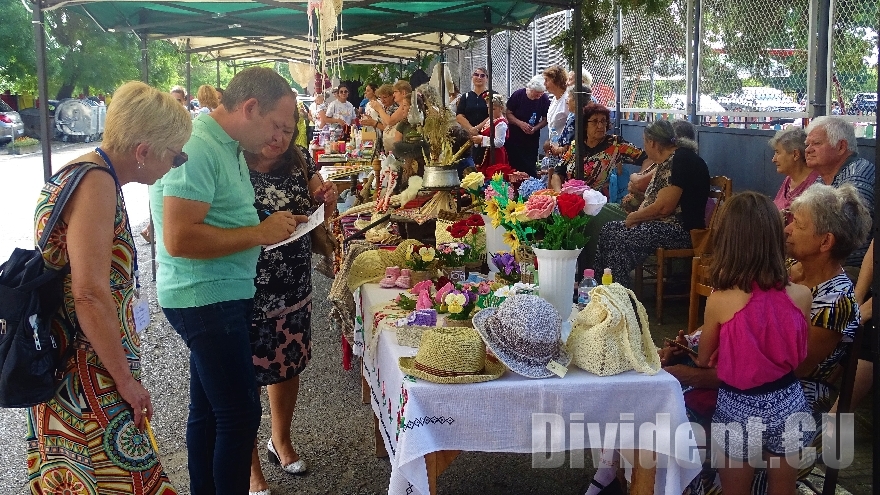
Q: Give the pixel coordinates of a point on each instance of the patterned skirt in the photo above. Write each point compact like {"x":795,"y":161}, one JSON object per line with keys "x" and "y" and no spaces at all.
{"x":84,"y":441}
{"x":281,"y":343}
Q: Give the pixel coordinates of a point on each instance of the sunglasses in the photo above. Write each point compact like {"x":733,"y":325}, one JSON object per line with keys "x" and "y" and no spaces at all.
{"x":343,"y":92}
{"x":179,"y":158}
{"x":480,"y":75}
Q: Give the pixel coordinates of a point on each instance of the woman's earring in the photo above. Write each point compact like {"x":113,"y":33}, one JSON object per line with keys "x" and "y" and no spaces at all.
{"x":140,"y":165}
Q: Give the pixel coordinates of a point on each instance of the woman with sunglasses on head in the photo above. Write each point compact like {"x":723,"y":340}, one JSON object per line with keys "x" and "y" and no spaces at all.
{"x":473,"y":108}
{"x":284,"y":179}
{"x":602,"y":152}
{"x":100,"y":395}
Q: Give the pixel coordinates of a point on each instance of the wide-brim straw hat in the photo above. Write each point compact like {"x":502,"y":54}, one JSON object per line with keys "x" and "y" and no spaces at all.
{"x":524,"y":332}
{"x":452,"y":355}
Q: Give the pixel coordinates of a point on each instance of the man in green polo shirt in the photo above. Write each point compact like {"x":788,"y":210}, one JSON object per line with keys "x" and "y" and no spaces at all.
{"x":209,"y":238}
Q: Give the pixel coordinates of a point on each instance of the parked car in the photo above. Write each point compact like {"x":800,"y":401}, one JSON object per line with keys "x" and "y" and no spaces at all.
{"x":761,"y":99}
{"x":11,"y":126}
{"x":864,"y":103}
{"x":707,"y":103}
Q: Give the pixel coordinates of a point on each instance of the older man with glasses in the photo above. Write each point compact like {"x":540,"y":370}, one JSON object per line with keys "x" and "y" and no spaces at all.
{"x":340,"y":111}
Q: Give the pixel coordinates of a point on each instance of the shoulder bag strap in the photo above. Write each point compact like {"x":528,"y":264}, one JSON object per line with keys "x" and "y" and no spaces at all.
{"x":66,"y":191}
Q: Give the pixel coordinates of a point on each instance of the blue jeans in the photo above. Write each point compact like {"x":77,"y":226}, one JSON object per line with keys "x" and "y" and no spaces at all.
{"x":224,"y":407}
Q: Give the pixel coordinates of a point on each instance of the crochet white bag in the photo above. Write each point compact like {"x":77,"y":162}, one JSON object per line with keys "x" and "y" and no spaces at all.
{"x":611,"y":334}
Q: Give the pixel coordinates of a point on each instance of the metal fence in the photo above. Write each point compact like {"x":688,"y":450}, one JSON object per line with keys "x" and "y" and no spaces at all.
{"x":756,"y":62}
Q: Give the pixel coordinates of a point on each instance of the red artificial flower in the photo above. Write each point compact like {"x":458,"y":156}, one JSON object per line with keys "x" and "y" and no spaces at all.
{"x":474,"y":230}
{"x":570,"y":205}
{"x":441,"y":282}
{"x":505,"y":170}
{"x":475,"y":221}
{"x":458,"y":230}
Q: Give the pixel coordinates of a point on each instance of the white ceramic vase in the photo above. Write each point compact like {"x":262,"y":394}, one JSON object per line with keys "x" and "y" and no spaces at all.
{"x":494,"y":242}
{"x":556,"y":270}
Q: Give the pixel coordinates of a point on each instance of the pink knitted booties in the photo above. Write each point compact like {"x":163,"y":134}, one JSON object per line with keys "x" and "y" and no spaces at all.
{"x":391,"y":275}
{"x":404,"y":281}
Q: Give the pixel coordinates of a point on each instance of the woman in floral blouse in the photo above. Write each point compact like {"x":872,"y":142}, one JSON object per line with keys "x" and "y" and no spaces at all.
{"x":284,"y":179}
{"x":602,"y":152}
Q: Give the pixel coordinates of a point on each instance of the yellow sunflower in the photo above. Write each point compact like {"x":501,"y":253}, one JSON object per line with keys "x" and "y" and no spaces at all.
{"x":511,"y":240}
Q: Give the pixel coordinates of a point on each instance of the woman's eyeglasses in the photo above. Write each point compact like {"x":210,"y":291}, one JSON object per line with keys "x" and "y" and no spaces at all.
{"x":179,"y":158}
{"x":480,"y":75}
{"x":598,"y":122}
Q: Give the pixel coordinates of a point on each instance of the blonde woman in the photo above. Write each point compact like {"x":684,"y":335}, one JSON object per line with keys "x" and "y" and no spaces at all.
{"x":208,"y":97}
{"x":101,"y":396}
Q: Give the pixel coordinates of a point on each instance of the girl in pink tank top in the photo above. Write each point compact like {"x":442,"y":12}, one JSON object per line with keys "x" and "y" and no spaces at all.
{"x":755,"y":331}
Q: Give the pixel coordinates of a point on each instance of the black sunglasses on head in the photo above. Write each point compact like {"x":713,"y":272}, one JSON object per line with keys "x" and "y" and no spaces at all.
{"x":179,"y":158}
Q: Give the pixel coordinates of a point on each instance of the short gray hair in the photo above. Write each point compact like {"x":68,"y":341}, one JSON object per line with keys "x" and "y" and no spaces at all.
{"x":262,"y":83}
{"x":840,"y":211}
{"x":536,"y":83}
{"x":791,"y":139}
{"x":837,"y":130}
{"x":663,"y":133}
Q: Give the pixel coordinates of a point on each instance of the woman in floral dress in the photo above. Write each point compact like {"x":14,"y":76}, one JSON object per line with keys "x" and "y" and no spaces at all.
{"x":281,"y":334}
{"x":90,"y":438}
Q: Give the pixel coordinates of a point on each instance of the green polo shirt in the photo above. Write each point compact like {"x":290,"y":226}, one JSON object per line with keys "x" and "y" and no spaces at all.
{"x":214,"y":174}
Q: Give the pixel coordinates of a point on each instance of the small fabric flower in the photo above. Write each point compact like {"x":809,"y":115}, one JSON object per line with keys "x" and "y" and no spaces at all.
{"x":473,"y":181}
{"x":529,"y":186}
{"x":539,"y":206}
{"x":574,"y":186}
{"x":427,"y":254}
{"x":593,"y":202}
{"x":511,"y":240}
{"x":570,"y":205}
{"x":506,"y":291}
{"x":475,"y":221}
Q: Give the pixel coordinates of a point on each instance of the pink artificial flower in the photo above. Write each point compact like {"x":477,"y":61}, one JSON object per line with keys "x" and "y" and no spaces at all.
{"x":540,"y":206}
{"x":441,"y":294}
{"x":574,"y":186}
{"x":484,"y":288}
{"x":423,"y":285}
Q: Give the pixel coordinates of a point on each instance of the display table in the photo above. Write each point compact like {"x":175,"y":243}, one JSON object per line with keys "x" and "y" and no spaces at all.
{"x":423,"y":425}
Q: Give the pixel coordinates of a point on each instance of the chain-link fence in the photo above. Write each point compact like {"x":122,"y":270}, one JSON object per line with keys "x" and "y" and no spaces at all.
{"x":754,"y":60}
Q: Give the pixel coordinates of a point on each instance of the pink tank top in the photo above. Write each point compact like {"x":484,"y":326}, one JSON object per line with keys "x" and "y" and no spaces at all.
{"x":763,"y":342}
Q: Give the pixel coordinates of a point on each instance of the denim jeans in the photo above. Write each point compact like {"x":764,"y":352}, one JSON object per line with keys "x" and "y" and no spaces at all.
{"x":224,"y":407}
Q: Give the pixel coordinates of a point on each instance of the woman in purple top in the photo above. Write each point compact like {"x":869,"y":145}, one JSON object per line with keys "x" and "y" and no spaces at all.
{"x":788,"y":155}
{"x":526,"y":114}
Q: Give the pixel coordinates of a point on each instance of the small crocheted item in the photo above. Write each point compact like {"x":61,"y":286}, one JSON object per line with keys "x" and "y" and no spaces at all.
{"x":392,"y":273}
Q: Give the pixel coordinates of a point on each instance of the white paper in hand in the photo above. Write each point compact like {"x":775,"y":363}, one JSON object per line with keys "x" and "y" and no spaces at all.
{"x":315,"y":219}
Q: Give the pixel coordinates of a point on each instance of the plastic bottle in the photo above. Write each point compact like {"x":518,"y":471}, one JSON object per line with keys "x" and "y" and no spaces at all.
{"x":606,"y":277}
{"x":533,"y":118}
{"x":586,"y":285}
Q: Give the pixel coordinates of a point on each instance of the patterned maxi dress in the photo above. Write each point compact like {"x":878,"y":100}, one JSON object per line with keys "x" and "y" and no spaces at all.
{"x":281,"y":334}
{"x":84,"y":441}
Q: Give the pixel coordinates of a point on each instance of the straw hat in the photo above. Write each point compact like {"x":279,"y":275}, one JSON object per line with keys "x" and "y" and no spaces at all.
{"x":525,"y":333}
{"x":611,"y":334}
{"x":452,"y":355}
{"x":370,"y":266}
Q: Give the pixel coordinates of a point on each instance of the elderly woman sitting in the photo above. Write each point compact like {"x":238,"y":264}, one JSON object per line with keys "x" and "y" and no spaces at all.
{"x":788,"y":155}
{"x":675,"y":203}
{"x":827,"y":225}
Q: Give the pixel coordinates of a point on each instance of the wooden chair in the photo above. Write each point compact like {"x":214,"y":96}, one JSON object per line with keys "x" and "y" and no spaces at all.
{"x":699,"y":287}
{"x":720,"y":188}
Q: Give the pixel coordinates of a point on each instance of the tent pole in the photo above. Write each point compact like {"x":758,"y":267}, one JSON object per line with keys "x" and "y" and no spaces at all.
{"x":491,"y":150}
{"x":694,"y":97}
{"x":577,"y":27}
{"x":820,"y":96}
{"x":188,"y":72}
{"x":618,"y":69}
{"x":218,"y":72}
{"x":875,"y":339}
{"x":145,"y":59}
{"x":39,"y":19}
{"x":442,"y":63}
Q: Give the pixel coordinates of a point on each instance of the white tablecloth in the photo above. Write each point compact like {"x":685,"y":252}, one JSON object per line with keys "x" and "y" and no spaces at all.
{"x":419,"y":417}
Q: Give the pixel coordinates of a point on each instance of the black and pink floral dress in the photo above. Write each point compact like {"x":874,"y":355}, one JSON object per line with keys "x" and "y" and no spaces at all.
{"x":281,"y":332}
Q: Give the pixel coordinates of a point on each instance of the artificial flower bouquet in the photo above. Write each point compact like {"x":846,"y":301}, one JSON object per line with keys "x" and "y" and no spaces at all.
{"x":545,"y":219}
{"x":462,"y":301}
{"x":453,"y":254}
{"x":508,"y":266}
{"x":420,"y":257}
{"x":465,"y":231}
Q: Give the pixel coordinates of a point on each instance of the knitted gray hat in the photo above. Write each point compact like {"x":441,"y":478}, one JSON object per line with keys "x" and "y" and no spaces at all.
{"x":524,"y":333}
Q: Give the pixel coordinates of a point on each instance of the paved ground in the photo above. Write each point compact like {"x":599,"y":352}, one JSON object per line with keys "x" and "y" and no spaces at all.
{"x":332,"y":429}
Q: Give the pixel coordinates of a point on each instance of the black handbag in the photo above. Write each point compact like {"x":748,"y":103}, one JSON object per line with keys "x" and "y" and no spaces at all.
{"x":30,"y":295}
